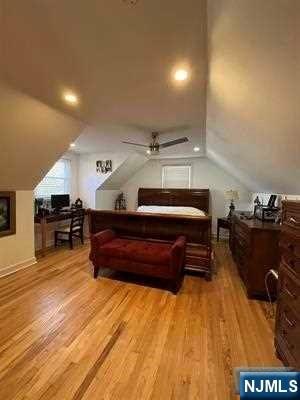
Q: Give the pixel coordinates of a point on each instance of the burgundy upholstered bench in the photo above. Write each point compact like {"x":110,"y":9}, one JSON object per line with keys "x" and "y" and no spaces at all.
{"x":145,"y":257}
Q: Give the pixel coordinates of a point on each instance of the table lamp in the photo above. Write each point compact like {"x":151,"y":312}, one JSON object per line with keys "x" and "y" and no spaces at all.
{"x":232,"y":196}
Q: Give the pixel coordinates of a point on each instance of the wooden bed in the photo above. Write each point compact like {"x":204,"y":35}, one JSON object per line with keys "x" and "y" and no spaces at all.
{"x":198,"y":198}
{"x":165,"y":227}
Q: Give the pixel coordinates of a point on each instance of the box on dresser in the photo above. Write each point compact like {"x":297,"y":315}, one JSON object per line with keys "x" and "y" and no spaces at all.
{"x":255,"y":249}
{"x":287,"y":329}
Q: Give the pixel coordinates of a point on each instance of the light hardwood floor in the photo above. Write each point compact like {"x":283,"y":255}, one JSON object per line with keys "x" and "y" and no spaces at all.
{"x":64,"y":335}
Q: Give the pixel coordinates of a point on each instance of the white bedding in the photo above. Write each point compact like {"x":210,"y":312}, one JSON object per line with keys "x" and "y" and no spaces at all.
{"x":172,"y":210}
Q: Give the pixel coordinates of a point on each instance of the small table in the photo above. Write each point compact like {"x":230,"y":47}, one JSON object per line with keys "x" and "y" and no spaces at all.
{"x":223,"y":223}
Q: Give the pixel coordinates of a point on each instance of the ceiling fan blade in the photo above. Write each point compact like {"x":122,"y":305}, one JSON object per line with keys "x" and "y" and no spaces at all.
{"x":172,"y":129}
{"x":174,"y":142}
{"x":136,"y":144}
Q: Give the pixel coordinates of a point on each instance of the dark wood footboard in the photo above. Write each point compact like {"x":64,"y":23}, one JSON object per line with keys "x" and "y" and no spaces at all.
{"x":152,"y":226}
{"x":165,"y":227}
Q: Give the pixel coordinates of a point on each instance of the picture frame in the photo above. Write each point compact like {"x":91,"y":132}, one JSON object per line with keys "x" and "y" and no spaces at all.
{"x":103,"y":166}
{"x":7,"y":213}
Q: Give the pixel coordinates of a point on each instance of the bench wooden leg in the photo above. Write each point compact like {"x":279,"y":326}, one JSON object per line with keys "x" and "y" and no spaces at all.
{"x":96,"y":272}
{"x":176,"y":285}
{"x":208,"y":276}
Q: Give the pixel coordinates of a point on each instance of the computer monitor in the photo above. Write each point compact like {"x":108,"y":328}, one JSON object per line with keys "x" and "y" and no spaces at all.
{"x":59,"y":201}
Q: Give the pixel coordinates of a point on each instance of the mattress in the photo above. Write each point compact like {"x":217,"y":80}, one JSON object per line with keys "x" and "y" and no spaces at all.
{"x":172,"y":210}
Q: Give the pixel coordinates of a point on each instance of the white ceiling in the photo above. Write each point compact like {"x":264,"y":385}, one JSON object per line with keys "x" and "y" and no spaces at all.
{"x":33,"y":136}
{"x":92,"y":140}
{"x":118,"y":58}
{"x":253,"y":114}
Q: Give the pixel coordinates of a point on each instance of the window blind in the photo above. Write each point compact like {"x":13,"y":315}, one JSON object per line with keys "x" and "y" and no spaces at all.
{"x":57,"y":181}
{"x":176,"y":176}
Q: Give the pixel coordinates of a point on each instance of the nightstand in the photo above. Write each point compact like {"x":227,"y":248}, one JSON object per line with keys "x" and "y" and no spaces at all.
{"x":223,"y":223}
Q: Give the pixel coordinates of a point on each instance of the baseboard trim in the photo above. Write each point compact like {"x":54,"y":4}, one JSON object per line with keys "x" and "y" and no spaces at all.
{"x":11,"y":269}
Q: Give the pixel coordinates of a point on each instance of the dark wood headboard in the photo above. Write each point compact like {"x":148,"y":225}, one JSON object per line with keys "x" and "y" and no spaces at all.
{"x":198,"y":198}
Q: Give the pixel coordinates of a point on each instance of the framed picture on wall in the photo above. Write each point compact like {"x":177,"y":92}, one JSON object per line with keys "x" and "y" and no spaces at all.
{"x":104,"y":166}
{"x":7,"y":213}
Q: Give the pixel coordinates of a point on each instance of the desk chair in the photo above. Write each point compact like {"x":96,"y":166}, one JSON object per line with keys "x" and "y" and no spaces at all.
{"x":74,"y":230}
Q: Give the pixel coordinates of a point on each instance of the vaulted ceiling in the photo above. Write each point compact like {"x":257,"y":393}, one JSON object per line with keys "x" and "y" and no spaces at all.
{"x":253,"y":119}
{"x":32,"y":137}
{"x":119,"y":59}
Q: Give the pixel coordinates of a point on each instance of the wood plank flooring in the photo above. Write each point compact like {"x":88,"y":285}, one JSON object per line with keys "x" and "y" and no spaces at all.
{"x":64,"y":335}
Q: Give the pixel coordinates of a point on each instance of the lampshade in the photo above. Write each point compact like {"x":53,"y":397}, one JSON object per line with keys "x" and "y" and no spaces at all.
{"x":232,"y":195}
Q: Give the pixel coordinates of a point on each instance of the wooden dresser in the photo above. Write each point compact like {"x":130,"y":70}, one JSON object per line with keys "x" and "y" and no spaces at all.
{"x":287,"y":330}
{"x":255,"y":249}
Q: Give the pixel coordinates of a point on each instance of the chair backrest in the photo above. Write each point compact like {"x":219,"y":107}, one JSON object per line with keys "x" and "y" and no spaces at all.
{"x":77,"y":220}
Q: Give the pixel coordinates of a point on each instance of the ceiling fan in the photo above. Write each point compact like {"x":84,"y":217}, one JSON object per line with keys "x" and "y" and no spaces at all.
{"x":155,"y":146}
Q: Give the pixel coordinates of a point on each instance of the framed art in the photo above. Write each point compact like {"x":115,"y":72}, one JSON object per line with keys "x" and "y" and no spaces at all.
{"x":7,"y":213}
{"x":104,"y":166}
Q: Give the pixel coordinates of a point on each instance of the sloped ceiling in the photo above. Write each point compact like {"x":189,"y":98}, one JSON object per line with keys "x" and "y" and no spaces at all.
{"x":253,"y":119}
{"x":32,"y":137}
{"x":124,"y":172}
{"x":118,"y":58}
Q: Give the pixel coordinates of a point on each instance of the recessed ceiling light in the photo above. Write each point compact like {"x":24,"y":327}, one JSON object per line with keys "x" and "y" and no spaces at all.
{"x":148,"y":151}
{"x":196,"y":149}
{"x":72,"y":145}
{"x":181,"y":75}
{"x":70,"y":98}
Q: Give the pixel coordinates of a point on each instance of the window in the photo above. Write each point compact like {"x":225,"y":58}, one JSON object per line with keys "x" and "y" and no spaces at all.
{"x":176,"y":176}
{"x":57,"y":181}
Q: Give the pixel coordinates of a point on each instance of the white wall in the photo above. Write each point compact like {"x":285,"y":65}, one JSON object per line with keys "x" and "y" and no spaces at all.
{"x":17,"y":251}
{"x":105,"y":199}
{"x":205,"y":174}
{"x":89,"y":180}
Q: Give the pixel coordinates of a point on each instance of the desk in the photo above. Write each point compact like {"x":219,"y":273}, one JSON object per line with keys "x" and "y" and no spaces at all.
{"x":47,"y":219}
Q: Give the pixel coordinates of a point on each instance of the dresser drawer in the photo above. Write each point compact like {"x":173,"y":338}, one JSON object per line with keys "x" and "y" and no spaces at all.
{"x":291,"y":213}
{"x":285,"y":355}
{"x":242,"y":262}
{"x":289,"y":242}
{"x":288,"y":329}
{"x":292,"y":262}
{"x":289,"y":289}
{"x":242,"y":244}
{"x":242,"y":234}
